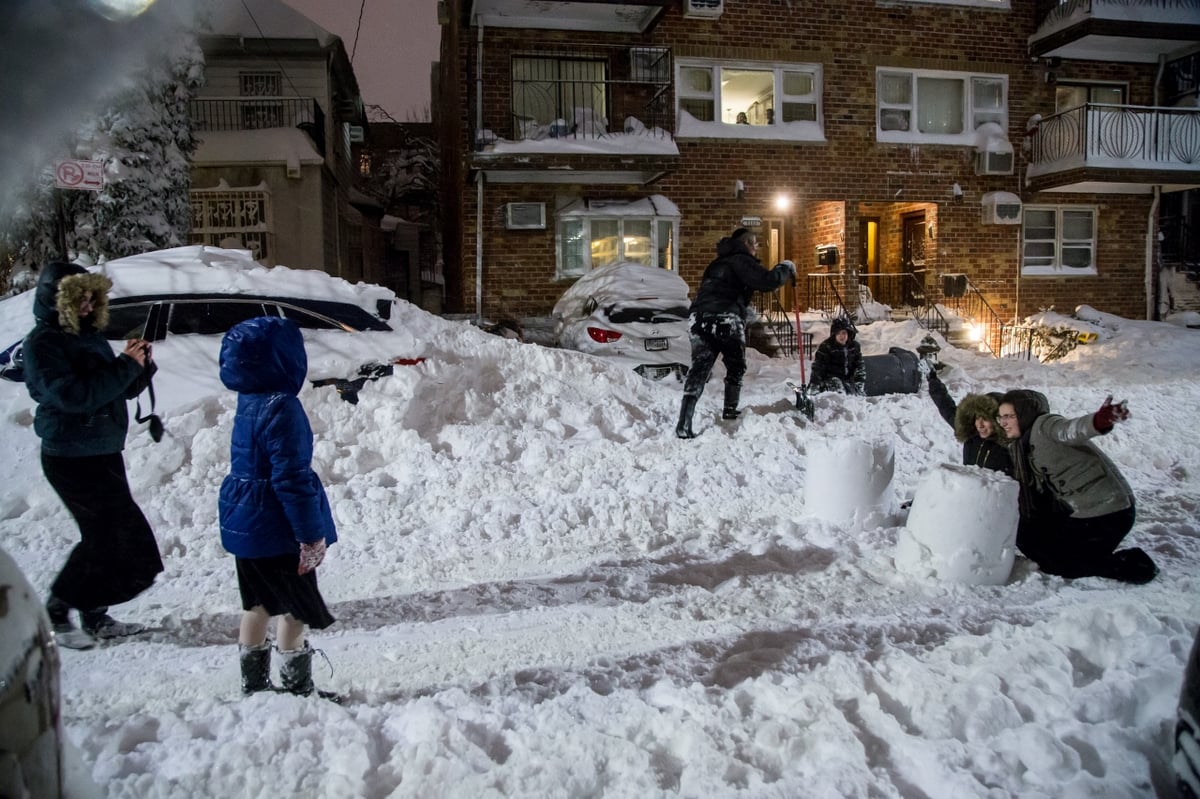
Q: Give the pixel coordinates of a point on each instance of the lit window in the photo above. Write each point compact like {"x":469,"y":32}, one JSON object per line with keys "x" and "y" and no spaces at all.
{"x":748,"y":94}
{"x":593,"y":234}
{"x":1058,"y":240}
{"x":924,"y":106}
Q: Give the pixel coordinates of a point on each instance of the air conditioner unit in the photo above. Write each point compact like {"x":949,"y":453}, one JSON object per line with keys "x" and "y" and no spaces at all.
{"x":1001,"y":208}
{"x":703,"y":8}
{"x":994,"y":163}
{"x":525,"y":216}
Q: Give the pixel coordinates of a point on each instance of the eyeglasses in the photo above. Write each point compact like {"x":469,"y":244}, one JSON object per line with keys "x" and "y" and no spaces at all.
{"x":1004,"y":417}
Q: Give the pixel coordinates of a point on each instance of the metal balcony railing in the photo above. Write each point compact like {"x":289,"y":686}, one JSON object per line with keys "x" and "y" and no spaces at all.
{"x":260,"y":113}
{"x":589,"y":92}
{"x":1117,"y":136}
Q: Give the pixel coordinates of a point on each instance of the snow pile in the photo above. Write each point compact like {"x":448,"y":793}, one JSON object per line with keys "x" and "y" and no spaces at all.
{"x":962,"y":526}
{"x":847,"y":477}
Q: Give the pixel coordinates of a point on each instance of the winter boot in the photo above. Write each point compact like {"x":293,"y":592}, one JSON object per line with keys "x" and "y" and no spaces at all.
{"x":256,"y":668}
{"x":98,"y":624}
{"x":733,"y":393}
{"x":686,"y":409}
{"x":66,"y":634}
{"x":1130,"y":566}
{"x":295,"y":671}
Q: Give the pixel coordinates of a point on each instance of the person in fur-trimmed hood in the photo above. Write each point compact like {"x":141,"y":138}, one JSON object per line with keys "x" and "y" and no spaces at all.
{"x":838,"y":364}
{"x":975,"y":426}
{"x":81,"y":387}
{"x":1076,"y":506}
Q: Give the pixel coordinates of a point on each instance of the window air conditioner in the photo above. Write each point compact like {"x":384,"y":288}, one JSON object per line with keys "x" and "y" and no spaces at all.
{"x":993,"y":163}
{"x":703,"y":8}
{"x":1001,"y":208}
{"x":525,"y":216}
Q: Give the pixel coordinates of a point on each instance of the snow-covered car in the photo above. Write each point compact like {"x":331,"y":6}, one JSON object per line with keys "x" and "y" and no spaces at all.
{"x":30,"y":727}
{"x":184,"y":299}
{"x":629,"y":312}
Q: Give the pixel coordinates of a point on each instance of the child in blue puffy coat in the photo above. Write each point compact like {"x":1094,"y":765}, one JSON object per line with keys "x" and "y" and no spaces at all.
{"x":274,"y":514}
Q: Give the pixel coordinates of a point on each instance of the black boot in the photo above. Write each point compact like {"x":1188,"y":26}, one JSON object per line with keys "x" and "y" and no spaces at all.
{"x":295,"y":670}
{"x":733,"y":393}
{"x":66,"y":634}
{"x":256,"y":668}
{"x":98,"y":624}
{"x":686,"y":409}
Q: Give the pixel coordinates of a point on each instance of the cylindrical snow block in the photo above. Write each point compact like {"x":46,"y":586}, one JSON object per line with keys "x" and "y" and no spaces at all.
{"x":962,"y":527}
{"x":847,"y":476}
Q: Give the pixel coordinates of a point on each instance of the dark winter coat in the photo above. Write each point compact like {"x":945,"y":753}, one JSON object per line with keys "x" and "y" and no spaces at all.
{"x":79,"y":384}
{"x":991,"y":452}
{"x":731,"y":280}
{"x":1055,"y":457}
{"x":272,"y":500}
{"x":837,"y":366}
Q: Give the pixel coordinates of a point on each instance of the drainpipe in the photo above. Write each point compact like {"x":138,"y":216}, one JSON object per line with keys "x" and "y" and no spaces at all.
{"x":479,"y":181}
{"x":1151,"y":224}
{"x":479,"y":248}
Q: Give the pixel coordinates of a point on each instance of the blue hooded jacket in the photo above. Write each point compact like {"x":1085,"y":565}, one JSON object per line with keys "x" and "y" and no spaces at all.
{"x":79,"y":384}
{"x":272,"y":500}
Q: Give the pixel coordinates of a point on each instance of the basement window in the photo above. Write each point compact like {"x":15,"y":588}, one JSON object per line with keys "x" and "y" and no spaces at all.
{"x":592,"y":233}
{"x":1058,"y":241}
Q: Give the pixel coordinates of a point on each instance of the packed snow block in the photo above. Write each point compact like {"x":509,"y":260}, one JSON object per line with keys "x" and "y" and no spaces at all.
{"x":893,"y":373}
{"x":847,"y":476}
{"x":962,"y":527}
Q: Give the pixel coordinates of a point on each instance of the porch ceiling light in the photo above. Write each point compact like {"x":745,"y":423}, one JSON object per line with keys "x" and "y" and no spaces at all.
{"x":782,"y":202}
{"x":119,"y":9}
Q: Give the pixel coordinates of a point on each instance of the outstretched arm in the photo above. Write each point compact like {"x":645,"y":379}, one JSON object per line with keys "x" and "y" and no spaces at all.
{"x":946,"y":405}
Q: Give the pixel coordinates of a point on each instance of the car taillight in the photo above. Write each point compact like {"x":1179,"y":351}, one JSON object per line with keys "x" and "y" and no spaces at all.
{"x":603,"y":336}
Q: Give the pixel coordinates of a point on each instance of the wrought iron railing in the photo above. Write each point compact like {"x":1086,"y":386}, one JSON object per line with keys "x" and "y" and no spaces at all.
{"x":774,"y":331}
{"x":259,"y":113}
{"x":1098,"y":134}
{"x":590,"y":91}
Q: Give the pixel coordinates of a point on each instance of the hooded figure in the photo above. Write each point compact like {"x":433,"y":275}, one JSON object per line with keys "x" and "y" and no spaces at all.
{"x":717,"y":320}
{"x":838,"y":363}
{"x":1076,"y":506}
{"x":975,"y":426}
{"x":274,"y":515}
{"x":81,"y":387}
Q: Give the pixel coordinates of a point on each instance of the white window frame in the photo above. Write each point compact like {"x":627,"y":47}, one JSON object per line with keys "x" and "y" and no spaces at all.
{"x":587,"y":214}
{"x":1058,"y":268}
{"x":972,"y":117}
{"x":224,"y":213}
{"x":688,"y":126}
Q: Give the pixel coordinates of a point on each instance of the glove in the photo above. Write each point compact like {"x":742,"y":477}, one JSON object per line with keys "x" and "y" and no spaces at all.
{"x":858,"y":389}
{"x":790,"y":267}
{"x":311,"y":556}
{"x":1109,"y":414}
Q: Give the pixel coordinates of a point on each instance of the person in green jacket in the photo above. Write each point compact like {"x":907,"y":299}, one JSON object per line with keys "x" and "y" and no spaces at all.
{"x":80,"y":387}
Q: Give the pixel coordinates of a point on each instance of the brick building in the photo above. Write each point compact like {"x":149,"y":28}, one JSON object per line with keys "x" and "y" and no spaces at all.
{"x":1014,"y":150}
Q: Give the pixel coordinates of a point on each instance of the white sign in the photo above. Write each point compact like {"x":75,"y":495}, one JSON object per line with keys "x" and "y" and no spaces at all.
{"x":751,"y":221}
{"x":81,"y":175}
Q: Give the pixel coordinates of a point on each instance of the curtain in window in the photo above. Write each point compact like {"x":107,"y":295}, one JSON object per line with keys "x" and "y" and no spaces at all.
{"x":939,"y":105}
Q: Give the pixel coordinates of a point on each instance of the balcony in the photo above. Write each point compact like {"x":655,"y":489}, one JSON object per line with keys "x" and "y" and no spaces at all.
{"x":615,"y":16}
{"x":1128,"y":31}
{"x":592,"y":114}
{"x":260,"y":113}
{"x":1116,"y":149}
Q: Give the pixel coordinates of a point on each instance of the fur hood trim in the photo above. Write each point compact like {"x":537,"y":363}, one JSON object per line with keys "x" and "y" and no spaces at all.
{"x":971,"y":408}
{"x":71,"y":290}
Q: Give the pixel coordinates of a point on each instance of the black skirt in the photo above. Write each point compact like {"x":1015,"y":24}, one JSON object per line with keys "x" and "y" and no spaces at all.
{"x":273,"y":584}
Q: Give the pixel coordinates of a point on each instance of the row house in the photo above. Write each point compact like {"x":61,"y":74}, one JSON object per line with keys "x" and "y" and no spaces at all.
{"x":275,"y":121}
{"x":1001,"y":156}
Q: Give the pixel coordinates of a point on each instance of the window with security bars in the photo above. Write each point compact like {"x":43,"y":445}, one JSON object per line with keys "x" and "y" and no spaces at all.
{"x":546,"y":90}
{"x":267,"y":113}
{"x":236,"y":219}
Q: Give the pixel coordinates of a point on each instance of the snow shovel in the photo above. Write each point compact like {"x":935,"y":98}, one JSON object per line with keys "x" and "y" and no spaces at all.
{"x":804,"y":403}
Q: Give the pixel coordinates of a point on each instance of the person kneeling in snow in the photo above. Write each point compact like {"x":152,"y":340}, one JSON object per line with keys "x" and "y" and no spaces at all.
{"x":274,"y":514}
{"x":1076,"y":507}
{"x":975,"y":425}
{"x":838,"y":364}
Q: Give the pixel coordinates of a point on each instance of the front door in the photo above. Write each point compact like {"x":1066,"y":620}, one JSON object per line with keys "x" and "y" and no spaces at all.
{"x":913,"y":259}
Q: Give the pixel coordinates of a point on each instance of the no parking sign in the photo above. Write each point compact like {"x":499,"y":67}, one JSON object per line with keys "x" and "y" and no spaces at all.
{"x":81,"y":175}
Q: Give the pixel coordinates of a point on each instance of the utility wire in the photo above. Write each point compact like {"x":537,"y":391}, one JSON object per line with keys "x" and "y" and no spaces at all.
{"x":357,"y":28}
{"x":267,"y":46}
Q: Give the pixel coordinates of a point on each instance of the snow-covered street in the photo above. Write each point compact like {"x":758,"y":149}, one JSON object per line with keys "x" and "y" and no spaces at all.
{"x":541,"y":592}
